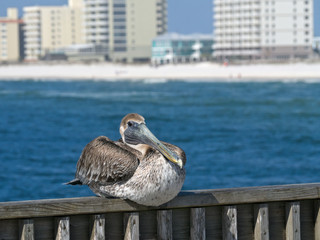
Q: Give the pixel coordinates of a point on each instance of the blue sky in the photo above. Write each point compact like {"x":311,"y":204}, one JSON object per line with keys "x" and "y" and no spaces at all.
{"x":184,"y":16}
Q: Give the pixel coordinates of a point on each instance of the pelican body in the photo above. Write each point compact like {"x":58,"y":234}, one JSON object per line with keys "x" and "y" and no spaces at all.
{"x":138,"y":167}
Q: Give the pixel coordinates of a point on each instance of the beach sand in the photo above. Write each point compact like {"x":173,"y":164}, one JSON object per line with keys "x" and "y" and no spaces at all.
{"x":203,"y":71}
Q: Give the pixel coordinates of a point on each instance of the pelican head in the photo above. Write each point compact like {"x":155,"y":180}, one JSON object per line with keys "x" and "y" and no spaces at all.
{"x":135,"y":133}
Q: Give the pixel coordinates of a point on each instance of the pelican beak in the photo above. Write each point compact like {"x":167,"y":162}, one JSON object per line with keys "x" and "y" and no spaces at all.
{"x":141,"y":134}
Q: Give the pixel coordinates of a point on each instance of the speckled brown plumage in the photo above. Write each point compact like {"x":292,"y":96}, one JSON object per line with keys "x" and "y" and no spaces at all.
{"x":138,"y":172}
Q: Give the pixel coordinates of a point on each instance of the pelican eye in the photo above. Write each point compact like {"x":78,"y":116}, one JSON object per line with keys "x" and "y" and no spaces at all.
{"x":130,"y":123}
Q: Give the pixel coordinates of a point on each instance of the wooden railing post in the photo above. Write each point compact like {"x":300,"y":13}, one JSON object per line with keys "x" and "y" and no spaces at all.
{"x":261,"y":228}
{"x":63,"y":228}
{"x":26,"y":229}
{"x":198,"y":224}
{"x":164,"y":224}
{"x":229,"y":223}
{"x":131,"y":226}
{"x":293,"y":221}
{"x":98,"y":227}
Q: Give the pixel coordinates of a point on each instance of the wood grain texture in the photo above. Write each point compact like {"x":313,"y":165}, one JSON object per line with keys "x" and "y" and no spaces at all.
{"x":245,"y":221}
{"x":229,"y":223}
{"x":148,"y":224}
{"x":164,"y":224}
{"x":98,"y":227}
{"x":181,"y":224}
{"x":96,"y":205}
{"x":114,"y":226}
{"x":307,"y":219}
{"x":197,"y":223}
{"x":27,"y":229}
{"x":80,"y":227}
{"x":293,"y":231}
{"x":213,"y":222}
{"x":261,"y":228}
{"x":317,"y":219}
{"x":9,"y":229}
{"x":131,"y":223}
{"x":44,"y":228}
{"x":63,"y":228}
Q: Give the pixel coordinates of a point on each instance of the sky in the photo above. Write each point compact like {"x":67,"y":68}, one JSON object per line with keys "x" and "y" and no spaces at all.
{"x":184,"y":16}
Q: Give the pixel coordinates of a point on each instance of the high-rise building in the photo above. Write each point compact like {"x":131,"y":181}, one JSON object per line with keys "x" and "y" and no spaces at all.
{"x":51,"y":27}
{"x":125,"y":27}
{"x":263,"y":29}
{"x":10,"y":36}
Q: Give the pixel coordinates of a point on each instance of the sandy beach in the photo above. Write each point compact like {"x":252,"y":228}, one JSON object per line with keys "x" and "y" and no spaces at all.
{"x":204,"y":71}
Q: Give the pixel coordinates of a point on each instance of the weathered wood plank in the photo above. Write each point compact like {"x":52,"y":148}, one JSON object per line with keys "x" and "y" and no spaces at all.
{"x":131,"y":223}
{"x":98,"y":227}
{"x":277,"y":220}
{"x":229,"y":223}
{"x":44,"y":228}
{"x":148,"y":224}
{"x":164,"y":224}
{"x":9,"y":229}
{"x":181,"y":224}
{"x":96,"y":205}
{"x":261,"y":228}
{"x":26,"y":229}
{"x":114,"y":226}
{"x":198,"y":224}
{"x":213,"y":222}
{"x":307,"y":219}
{"x":317,"y":219}
{"x":293,"y":231}
{"x":245,"y":221}
{"x":63,"y":228}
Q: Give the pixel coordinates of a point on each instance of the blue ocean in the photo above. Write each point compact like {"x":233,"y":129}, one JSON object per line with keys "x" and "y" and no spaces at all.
{"x":234,"y":134}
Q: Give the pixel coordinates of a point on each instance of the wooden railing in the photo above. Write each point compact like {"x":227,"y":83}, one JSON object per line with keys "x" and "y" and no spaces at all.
{"x":272,"y":212}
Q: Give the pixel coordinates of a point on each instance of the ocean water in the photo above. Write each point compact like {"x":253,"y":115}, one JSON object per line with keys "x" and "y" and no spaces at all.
{"x":234,"y":134}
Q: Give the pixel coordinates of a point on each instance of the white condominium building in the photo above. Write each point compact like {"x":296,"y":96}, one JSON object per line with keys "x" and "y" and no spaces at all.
{"x":9,"y":36}
{"x":124,"y":27}
{"x":50,"y":28}
{"x":263,"y":29}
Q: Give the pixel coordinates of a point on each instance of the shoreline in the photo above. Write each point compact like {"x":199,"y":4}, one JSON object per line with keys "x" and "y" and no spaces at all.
{"x":199,"y":71}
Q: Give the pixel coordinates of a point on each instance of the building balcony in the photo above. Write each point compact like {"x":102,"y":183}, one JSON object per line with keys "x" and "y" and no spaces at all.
{"x":89,"y":2}
{"x":96,"y":30}
{"x":31,"y":33}
{"x":28,"y":15}
{"x":31,"y":27}
{"x":32,"y":46}
{"x":96,"y":23}
{"x":32,"y":40}
{"x":97,"y":37}
{"x":98,"y":9}
{"x":89,"y":17}
{"x":32,"y":21}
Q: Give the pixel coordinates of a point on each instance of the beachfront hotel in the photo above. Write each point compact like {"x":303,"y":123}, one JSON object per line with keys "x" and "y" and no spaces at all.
{"x":263,"y":29}
{"x":116,"y":30}
{"x":48,"y":28}
{"x":9,"y":36}
{"x":124,"y":27}
{"x":179,"y":48}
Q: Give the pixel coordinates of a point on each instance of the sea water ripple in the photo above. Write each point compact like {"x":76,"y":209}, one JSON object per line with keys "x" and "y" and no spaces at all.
{"x":234,"y":134}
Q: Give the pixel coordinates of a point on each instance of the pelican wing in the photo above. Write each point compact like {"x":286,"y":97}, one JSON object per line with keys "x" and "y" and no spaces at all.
{"x":104,"y":161}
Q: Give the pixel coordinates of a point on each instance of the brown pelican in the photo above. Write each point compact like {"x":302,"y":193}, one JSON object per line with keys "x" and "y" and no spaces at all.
{"x":138,"y":167}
